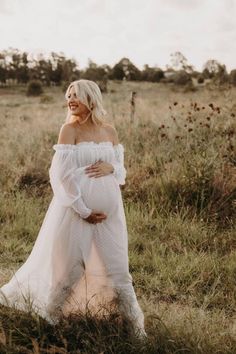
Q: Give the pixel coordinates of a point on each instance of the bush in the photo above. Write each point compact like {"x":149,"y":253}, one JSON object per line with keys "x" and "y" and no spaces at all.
{"x":200,"y":79}
{"x":152,"y":74}
{"x":34,"y":88}
{"x":190,"y":87}
{"x":181,"y":78}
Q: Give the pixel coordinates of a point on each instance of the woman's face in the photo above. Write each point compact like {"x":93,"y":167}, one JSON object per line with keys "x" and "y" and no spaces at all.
{"x":75,"y":105}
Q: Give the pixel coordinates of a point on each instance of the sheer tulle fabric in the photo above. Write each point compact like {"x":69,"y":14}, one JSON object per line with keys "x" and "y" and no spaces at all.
{"x":73,"y":262}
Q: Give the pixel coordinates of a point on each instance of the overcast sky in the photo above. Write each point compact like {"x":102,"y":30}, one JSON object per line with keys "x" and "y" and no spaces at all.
{"x":145,"y":31}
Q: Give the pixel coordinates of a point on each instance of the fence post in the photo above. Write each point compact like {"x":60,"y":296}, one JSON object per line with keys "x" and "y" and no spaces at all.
{"x":132,"y":106}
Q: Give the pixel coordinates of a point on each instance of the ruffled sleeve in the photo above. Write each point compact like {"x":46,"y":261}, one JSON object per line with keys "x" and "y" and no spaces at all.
{"x":64,"y":179}
{"x":119,"y":168}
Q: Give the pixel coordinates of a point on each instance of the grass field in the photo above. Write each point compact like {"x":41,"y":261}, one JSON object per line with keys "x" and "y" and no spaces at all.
{"x":180,"y":204}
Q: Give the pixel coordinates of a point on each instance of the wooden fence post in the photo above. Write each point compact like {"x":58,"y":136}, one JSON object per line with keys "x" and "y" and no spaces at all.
{"x":132,"y":106}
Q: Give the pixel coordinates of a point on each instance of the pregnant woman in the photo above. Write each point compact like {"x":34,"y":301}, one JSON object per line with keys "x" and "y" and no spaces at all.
{"x":83,"y":238}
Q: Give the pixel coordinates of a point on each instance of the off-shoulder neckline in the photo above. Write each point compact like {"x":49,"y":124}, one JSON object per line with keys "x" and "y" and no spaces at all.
{"x":83,"y":143}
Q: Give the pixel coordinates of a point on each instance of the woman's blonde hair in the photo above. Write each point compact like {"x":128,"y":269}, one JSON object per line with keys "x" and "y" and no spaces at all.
{"x":88,"y":92}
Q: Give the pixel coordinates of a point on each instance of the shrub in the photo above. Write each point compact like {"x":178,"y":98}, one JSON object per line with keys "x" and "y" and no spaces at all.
{"x":152,"y":74}
{"x":190,"y":87}
{"x":34,"y":88}
{"x":181,"y":78}
{"x":200,"y":79}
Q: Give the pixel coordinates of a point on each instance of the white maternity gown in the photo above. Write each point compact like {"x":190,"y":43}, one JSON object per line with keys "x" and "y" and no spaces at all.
{"x":73,"y":262}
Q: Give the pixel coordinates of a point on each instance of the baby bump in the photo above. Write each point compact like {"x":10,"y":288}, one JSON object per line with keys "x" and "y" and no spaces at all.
{"x":100,"y":194}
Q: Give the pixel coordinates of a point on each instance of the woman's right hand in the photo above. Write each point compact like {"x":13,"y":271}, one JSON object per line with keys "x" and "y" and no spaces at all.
{"x":94,"y":217}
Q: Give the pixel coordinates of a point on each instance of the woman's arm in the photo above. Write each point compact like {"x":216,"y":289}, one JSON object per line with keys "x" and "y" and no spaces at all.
{"x":63,"y":180}
{"x":101,"y":168}
{"x":119,"y":169}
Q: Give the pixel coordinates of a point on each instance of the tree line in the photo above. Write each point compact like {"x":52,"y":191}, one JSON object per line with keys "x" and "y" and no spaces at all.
{"x":20,"y":67}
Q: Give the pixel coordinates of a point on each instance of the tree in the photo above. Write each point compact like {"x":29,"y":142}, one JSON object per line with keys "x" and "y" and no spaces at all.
{"x":151,"y":74}
{"x":212,"y":66}
{"x":213,"y":69}
{"x":232,"y":77}
{"x":179,"y":62}
{"x":125,"y":69}
{"x":95,"y":72}
{"x":62,"y":69}
{"x":23,"y":72}
{"x":3,"y":68}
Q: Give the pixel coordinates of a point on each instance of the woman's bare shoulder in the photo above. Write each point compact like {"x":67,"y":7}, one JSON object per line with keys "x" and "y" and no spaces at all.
{"x":109,"y":128}
{"x":67,"y":134}
{"x":112,"y":132}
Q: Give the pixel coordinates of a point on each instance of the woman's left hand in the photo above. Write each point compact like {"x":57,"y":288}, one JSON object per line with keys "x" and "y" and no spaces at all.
{"x":99,"y":169}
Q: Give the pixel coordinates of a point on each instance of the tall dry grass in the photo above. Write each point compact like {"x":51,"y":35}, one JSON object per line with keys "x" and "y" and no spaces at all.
{"x":180,"y":204}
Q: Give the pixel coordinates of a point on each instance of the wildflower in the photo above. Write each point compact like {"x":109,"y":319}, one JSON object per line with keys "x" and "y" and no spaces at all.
{"x":231,"y":132}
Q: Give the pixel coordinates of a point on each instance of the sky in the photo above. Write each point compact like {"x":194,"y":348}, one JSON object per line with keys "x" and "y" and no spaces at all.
{"x":104,"y":31}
